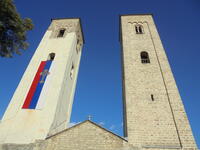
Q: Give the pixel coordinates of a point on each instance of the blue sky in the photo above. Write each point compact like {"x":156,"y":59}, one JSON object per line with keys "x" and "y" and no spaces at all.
{"x":99,"y":89}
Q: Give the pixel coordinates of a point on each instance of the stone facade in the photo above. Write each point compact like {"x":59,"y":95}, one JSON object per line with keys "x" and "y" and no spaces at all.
{"x":84,"y":136}
{"x":154,"y":115}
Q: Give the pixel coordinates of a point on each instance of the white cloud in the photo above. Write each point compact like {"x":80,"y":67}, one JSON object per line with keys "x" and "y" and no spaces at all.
{"x":101,"y":123}
{"x":71,"y":124}
{"x":112,"y":127}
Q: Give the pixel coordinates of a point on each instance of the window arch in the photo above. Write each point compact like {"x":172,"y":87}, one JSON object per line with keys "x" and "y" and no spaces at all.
{"x":144,"y":57}
{"x":51,"y":56}
{"x":139,"y":29}
{"x":61,"y":32}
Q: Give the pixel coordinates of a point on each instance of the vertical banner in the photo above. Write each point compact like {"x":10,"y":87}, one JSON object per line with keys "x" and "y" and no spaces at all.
{"x":37,"y":85}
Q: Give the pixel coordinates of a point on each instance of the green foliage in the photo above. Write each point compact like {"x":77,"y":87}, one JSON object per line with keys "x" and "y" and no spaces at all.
{"x":12,"y":29}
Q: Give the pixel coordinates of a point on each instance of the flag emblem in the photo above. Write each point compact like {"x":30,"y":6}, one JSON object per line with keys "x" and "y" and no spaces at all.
{"x":38,"y":82}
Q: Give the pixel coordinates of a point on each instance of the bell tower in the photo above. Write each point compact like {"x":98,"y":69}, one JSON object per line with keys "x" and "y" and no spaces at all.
{"x":42,"y":103}
{"x":154,"y":116}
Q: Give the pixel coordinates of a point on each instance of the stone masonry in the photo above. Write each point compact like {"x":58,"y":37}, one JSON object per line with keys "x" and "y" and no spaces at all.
{"x":154,"y":115}
{"x":84,"y":136}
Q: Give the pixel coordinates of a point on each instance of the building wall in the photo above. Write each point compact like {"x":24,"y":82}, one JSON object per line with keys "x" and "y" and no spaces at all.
{"x":26,"y":125}
{"x":85,"y":136}
{"x":161,"y":122}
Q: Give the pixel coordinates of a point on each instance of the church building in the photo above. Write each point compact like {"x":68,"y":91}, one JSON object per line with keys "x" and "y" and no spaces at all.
{"x":40,"y":109}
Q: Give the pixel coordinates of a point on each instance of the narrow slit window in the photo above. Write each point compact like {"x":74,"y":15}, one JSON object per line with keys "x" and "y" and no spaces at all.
{"x":72,"y":71}
{"x":144,"y":57}
{"x":139,"y":29}
{"x":61,"y":33}
{"x":77,"y":46}
{"x":152,"y":98}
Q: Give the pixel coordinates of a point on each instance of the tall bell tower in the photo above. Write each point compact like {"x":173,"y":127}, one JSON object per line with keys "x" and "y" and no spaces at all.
{"x":154,"y":116}
{"x":42,"y":103}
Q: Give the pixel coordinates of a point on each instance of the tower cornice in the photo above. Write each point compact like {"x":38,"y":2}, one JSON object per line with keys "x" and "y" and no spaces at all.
{"x":70,"y":27}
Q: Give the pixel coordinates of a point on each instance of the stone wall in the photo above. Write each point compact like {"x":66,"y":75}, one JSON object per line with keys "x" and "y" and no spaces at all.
{"x":157,"y":122}
{"x":85,"y":136}
{"x":17,"y":147}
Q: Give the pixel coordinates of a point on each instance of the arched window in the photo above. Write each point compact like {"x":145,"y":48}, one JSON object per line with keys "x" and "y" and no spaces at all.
{"x":144,"y":57}
{"x":51,"y":56}
{"x":139,"y":29}
{"x":61,"y":33}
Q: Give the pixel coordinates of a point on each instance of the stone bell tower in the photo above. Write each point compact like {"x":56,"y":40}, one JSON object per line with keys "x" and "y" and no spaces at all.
{"x":42,"y":103}
{"x":154,"y":116}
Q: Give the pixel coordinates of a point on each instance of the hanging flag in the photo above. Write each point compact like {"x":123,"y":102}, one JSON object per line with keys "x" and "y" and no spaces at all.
{"x":37,"y":85}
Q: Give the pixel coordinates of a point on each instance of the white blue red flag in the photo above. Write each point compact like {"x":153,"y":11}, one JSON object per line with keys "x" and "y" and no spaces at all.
{"x":31,"y":101}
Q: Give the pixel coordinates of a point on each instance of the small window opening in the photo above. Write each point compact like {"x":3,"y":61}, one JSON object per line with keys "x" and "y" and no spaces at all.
{"x":152,"y":98}
{"x":72,"y":71}
{"x":51,"y":56}
{"x":139,"y":29}
{"x":144,"y":57}
{"x":61,"y":33}
{"x":77,"y":46}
